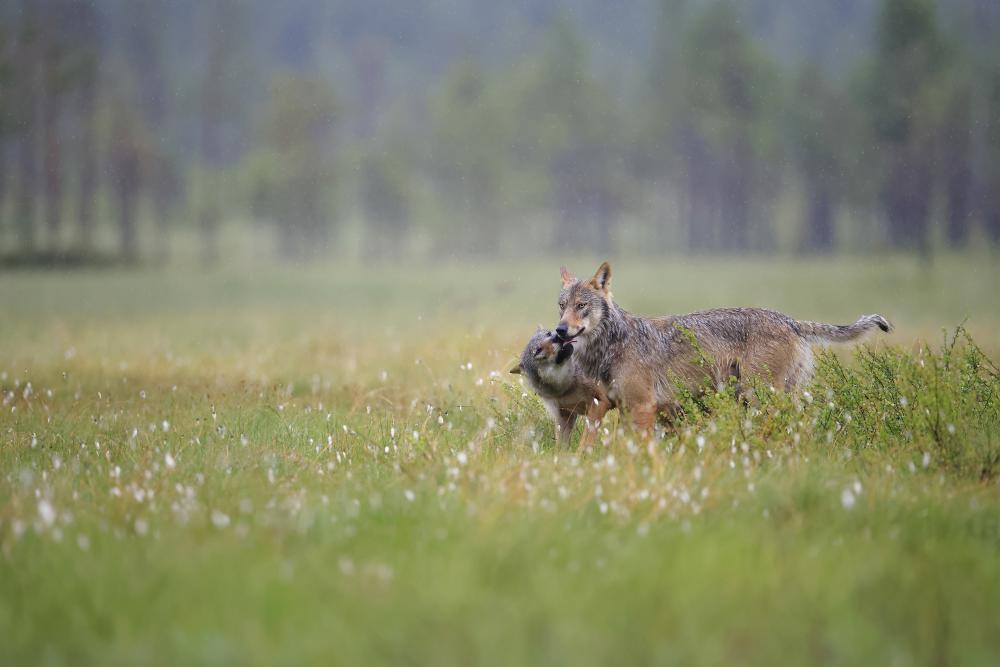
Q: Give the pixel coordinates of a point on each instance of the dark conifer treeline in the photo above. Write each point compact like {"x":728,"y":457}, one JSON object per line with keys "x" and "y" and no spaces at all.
{"x":486,"y":128}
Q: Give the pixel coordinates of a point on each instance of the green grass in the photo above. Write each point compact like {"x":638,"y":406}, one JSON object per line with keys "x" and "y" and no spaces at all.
{"x":330,"y":465}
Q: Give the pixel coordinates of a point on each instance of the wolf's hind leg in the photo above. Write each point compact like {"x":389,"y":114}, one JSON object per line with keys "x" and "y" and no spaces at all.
{"x":799,"y":371}
{"x":644,"y":417}
{"x":743,"y":390}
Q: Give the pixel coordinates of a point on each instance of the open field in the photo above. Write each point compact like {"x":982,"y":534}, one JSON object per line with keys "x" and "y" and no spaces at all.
{"x":331,"y":465}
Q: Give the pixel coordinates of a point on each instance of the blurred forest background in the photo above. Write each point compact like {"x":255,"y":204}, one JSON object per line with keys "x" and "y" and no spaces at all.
{"x":143,"y":130}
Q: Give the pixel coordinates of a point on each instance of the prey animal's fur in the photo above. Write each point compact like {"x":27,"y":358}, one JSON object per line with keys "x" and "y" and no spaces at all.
{"x":644,"y":361}
{"x":567,"y":392}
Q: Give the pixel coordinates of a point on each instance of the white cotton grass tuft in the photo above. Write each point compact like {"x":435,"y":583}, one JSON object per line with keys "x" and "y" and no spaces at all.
{"x":220,"y":519}
{"x":46,"y":512}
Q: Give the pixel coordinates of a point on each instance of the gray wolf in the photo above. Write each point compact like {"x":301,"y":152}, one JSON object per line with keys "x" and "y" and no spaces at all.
{"x":565,"y":390}
{"x":643,"y":362}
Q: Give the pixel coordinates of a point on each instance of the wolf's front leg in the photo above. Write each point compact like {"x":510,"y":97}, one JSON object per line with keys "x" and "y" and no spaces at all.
{"x":595,"y":413}
{"x":565,"y":421}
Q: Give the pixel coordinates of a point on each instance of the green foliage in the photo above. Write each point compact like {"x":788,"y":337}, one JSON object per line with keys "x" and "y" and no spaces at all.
{"x":725,"y":84}
{"x":905,"y":106}
{"x":909,"y":53}
{"x":721,"y":129}
{"x":387,"y":197}
{"x":292,"y":177}
{"x":569,"y":124}
{"x":470,"y":145}
{"x":818,"y":114}
{"x":544,"y":134}
{"x":991,"y":155}
{"x":946,"y":401}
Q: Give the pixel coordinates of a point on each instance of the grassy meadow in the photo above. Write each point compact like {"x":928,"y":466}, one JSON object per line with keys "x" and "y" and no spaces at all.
{"x":331,"y":465}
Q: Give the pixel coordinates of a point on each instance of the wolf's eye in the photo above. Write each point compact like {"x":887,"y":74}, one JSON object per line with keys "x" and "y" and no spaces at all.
{"x":580,"y":306}
{"x":562,"y":305}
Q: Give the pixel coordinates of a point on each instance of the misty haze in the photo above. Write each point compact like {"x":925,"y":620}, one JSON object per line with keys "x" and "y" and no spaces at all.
{"x":461,"y":332}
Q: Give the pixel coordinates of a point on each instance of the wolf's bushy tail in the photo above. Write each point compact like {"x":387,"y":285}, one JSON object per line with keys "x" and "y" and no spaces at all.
{"x":818,"y":332}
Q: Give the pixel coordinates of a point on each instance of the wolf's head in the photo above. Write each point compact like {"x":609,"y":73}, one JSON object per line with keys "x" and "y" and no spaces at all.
{"x":583,"y":304}
{"x":544,"y":351}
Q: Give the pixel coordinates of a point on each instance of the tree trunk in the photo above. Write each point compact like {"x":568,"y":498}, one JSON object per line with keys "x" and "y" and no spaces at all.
{"x":700,"y":194}
{"x":738,"y":195}
{"x":161,"y":212}
{"x":26,"y":185}
{"x":993,"y":224}
{"x":989,"y":204}
{"x":209,"y":216}
{"x":165,"y":189}
{"x":126,"y":220}
{"x":52,"y":166}
{"x":27,"y":160}
{"x":607,"y":222}
{"x":957,"y":229}
{"x":819,"y":220}
{"x":127,"y":186}
{"x":667,"y":200}
{"x":87,"y":164}
{"x":566,"y":203}
{"x":907,"y":199}
{"x":209,"y":223}
{"x":3,"y":181}
{"x":126,"y":165}
{"x":957,"y":146}
{"x":737,"y":217}
{"x":209,"y":219}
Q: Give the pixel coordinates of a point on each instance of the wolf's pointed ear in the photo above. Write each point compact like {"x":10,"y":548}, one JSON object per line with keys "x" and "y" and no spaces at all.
{"x":567,"y":277}
{"x":516,"y":370}
{"x":602,"y":279}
